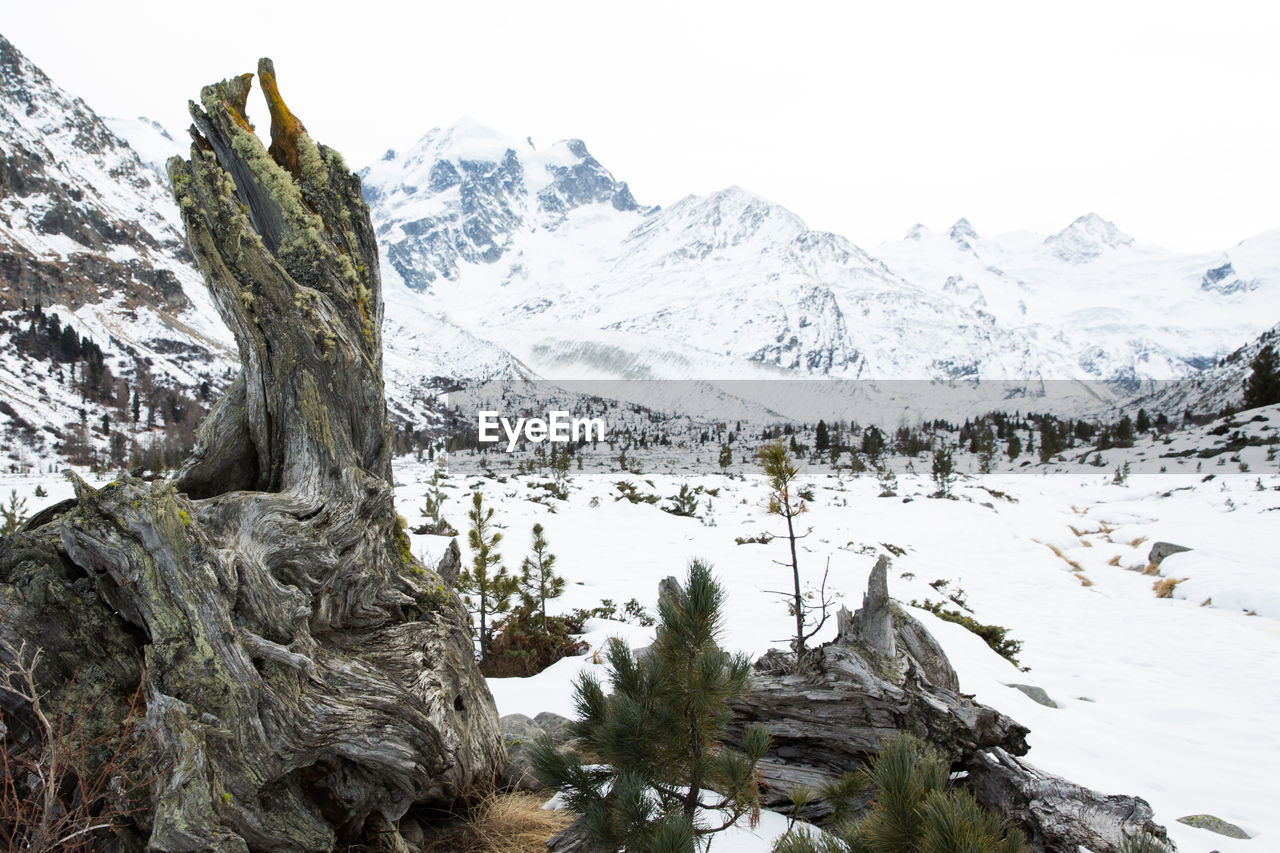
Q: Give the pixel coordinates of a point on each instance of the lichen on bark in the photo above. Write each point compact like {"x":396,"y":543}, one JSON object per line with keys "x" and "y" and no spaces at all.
{"x":308,"y":681}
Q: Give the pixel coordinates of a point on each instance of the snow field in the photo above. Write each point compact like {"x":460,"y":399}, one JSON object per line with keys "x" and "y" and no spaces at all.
{"x":1161,"y":698}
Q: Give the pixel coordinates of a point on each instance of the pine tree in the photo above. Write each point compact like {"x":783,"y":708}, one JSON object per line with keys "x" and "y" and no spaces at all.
{"x":658,"y":737}
{"x":1123,"y":435}
{"x":13,"y":514}
{"x":944,"y":470}
{"x":560,"y":460}
{"x":913,"y":810}
{"x":726,"y":456}
{"x":538,"y":580}
{"x":432,"y":502}
{"x":683,"y":503}
{"x":1263,"y":385}
{"x":822,"y":438}
{"x":986,"y":450}
{"x":486,"y":586}
{"x":784,"y":501}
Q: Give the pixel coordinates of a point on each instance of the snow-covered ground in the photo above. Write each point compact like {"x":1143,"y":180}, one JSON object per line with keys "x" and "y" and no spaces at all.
{"x":1172,"y":699}
{"x":1159,"y":697}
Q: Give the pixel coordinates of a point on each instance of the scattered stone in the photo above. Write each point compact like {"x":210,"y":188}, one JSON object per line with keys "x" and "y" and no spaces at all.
{"x":518,"y":732}
{"x":1035,"y":694}
{"x":1160,"y":550}
{"x":556,"y":726}
{"x":1214,"y":824}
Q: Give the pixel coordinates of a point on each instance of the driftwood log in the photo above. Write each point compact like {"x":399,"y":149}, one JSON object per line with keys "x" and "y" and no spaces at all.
{"x":307,"y":681}
{"x":886,"y":674}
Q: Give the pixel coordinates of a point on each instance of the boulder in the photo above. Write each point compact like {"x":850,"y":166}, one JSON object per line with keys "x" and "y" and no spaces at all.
{"x":1035,"y":694}
{"x":518,"y":731}
{"x":1160,"y":550}
{"x":1214,"y":824}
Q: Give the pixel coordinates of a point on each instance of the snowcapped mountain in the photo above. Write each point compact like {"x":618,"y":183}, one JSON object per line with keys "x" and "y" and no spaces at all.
{"x":507,"y":260}
{"x":1086,"y":239}
{"x":1214,"y":389}
{"x":546,"y":254}
{"x":462,"y":194}
{"x":1106,"y":306}
{"x":101,"y":301}
{"x":150,"y":140}
{"x":542,"y":252}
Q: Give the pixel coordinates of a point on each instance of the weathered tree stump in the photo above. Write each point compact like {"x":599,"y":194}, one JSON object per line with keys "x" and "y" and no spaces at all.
{"x":885,"y":674}
{"x":307,"y":679}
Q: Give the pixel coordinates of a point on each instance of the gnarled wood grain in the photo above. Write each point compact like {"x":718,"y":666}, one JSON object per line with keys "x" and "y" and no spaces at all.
{"x":308,"y":680}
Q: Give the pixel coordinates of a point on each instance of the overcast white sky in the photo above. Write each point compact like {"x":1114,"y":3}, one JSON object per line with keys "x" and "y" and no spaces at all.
{"x":863,"y":118}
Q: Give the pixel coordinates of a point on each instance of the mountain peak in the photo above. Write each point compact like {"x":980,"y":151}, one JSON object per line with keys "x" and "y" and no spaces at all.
{"x":916,"y":232}
{"x":962,"y":232}
{"x":467,"y":139}
{"x":1086,"y":238}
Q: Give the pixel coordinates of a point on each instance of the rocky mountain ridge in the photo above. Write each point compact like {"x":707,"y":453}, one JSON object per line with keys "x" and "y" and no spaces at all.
{"x":503,"y":259}
{"x":108,"y":340}
{"x":732,"y":285}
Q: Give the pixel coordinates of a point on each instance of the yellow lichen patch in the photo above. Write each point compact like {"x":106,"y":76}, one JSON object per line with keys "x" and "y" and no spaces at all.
{"x":285,"y":126}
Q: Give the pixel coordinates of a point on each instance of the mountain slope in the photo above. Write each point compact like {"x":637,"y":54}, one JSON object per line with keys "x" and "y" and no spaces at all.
{"x":102,"y":301}
{"x":544,"y":253}
{"x":1113,"y":308}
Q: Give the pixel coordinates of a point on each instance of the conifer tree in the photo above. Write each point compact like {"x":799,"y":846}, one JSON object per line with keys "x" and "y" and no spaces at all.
{"x":1263,"y":385}
{"x":432,"y":502}
{"x":538,"y":580}
{"x":822,"y":437}
{"x":658,"y":737}
{"x":486,"y":586}
{"x":784,"y":501}
{"x":1124,"y":432}
{"x":986,"y":450}
{"x":913,"y":810}
{"x":944,"y":469}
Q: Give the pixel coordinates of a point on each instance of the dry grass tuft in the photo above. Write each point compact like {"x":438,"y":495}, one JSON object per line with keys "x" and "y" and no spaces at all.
{"x":1084,"y":581}
{"x":1164,"y":587}
{"x":1136,"y":542}
{"x":1114,"y":561}
{"x":1075,"y":567}
{"x":1151,"y":569}
{"x":503,"y":823}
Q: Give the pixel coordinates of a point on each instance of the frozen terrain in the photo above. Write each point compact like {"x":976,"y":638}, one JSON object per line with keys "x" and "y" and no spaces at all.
{"x":1171,"y":699}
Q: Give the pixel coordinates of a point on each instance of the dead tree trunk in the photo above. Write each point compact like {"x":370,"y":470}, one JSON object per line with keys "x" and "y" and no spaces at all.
{"x":884,"y":675}
{"x":307,"y":679}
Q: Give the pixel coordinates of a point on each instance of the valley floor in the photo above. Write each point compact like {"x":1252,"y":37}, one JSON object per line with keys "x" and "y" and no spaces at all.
{"x":1159,"y":697}
{"x":1173,"y":699}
